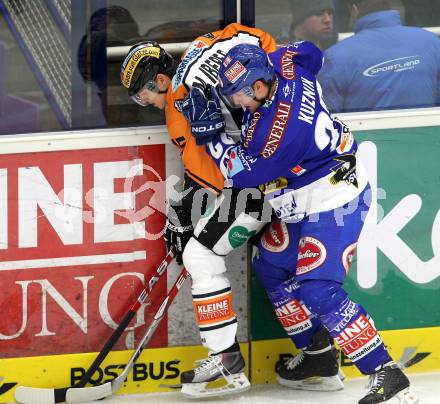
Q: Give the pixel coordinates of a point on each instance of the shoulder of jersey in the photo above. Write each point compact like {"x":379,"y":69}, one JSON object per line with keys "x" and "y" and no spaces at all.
{"x":282,"y":60}
{"x":193,"y":51}
{"x":200,"y":44}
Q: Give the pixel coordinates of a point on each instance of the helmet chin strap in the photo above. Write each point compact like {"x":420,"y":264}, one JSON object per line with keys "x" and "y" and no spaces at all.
{"x":254,"y":97}
{"x":260,"y":100}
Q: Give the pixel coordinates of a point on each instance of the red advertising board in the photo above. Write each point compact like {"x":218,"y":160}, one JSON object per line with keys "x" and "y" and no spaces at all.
{"x":80,"y":231}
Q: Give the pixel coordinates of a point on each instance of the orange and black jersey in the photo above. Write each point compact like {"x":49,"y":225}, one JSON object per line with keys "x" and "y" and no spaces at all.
{"x":198,"y":68}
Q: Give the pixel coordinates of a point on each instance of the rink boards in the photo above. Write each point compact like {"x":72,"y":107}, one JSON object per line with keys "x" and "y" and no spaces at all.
{"x":418,"y":349}
{"x":154,"y":370}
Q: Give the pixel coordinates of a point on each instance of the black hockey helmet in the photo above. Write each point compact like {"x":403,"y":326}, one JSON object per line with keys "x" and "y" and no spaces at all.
{"x":144,"y":61}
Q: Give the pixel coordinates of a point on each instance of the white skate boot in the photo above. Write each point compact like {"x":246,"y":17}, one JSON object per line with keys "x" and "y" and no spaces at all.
{"x":227,"y":365}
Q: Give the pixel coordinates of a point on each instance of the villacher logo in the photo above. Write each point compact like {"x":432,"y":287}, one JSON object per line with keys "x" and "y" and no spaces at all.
{"x":235,"y":72}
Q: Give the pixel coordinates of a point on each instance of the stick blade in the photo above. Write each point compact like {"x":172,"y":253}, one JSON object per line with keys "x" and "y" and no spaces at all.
{"x":34,"y":395}
{"x":87,"y":394}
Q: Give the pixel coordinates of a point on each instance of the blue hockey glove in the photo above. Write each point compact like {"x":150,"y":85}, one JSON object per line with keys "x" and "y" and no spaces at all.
{"x":204,"y":114}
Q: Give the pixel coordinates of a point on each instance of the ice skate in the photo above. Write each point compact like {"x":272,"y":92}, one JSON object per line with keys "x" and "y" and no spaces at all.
{"x":314,"y":368}
{"x":228,"y":366}
{"x":389,"y":384}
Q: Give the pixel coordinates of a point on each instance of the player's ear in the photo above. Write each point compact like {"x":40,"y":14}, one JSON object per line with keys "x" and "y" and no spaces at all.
{"x":260,"y":89}
{"x":162,"y":81}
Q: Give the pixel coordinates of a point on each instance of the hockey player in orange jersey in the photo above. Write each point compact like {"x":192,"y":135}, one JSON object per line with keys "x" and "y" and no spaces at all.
{"x":152,"y":78}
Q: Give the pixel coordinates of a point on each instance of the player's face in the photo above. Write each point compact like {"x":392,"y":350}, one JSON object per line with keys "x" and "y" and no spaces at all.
{"x":242,"y":100}
{"x":245,"y":98}
{"x":148,"y":95}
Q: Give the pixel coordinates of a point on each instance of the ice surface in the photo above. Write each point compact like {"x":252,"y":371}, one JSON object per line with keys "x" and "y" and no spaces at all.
{"x":426,"y":386}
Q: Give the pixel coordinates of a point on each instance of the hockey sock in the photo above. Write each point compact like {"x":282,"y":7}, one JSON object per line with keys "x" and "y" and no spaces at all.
{"x":233,"y":348}
{"x":212,"y":296}
{"x":348,"y":323}
{"x":214,"y":313}
{"x":293,"y":315}
{"x":283,"y":293}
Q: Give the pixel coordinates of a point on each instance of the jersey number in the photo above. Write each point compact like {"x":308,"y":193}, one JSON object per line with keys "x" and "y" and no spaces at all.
{"x":218,"y":149}
{"x":325,"y":133}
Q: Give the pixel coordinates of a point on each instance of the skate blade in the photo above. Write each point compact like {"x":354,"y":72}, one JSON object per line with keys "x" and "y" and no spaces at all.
{"x":170,"y":386}
{"x":341,"y":374}
{"x":236,"y":383}
{"x":331,"y":383}
{"x":405,"y":396}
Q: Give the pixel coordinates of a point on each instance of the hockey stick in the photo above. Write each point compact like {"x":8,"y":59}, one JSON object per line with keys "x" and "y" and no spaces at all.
{"x":35,"y":395}
{"x":87,"y":394}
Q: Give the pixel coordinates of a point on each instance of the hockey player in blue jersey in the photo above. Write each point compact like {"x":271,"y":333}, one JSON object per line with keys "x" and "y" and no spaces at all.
{"x":305,"y":162}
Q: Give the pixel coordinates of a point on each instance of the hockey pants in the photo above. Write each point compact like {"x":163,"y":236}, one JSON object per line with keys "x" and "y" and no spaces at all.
{"x":302,"y":266}
{"x":236,"y":216}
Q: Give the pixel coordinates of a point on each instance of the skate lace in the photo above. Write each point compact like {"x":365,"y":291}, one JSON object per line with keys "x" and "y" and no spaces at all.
{"x":212,"y":361}
{"x":292,"y":363}
{"x":375,"y":381}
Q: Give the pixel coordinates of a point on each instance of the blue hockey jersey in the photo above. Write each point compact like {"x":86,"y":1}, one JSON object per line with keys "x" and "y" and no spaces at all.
{"x":301,"y":158}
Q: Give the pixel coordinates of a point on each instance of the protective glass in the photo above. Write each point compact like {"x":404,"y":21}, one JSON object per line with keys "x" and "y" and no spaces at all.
{"x":142,"y":100}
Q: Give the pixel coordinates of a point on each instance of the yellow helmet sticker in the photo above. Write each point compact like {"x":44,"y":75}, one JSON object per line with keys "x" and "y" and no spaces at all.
{"x":127,"y":74}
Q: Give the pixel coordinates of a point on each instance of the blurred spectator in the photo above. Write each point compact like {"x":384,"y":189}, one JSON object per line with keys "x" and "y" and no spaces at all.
{"x":112,"y":25}
{"x":422,"y":13}
{"x":312,"y":20}
{"x":109,"y":26}
{"x":384,"y":65}
{"x":181,"y":31}
{"x":344,"y":22}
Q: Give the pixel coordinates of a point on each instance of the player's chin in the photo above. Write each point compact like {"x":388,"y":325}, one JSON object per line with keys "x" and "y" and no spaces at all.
{"x":159,"y":105}
{"x":250,"y":108}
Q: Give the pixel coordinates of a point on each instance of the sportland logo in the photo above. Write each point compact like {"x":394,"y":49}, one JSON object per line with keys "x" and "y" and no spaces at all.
{"x":381,"y":232}
{"x":393,"y":66}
